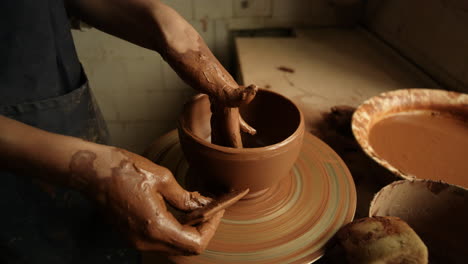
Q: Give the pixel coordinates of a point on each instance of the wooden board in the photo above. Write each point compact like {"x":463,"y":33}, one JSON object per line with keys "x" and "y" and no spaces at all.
{"x":331,"y":67}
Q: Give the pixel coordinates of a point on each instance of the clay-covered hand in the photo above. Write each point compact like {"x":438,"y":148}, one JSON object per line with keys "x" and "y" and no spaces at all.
{"x":133,"y":192}
{"x":234,"y":96}
{"x":183,"y":48}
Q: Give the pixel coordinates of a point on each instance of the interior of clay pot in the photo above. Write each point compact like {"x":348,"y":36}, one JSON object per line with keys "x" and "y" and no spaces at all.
{"x":401,"y":104}
{"x":273,"y":116}
{"x":438,"y":212}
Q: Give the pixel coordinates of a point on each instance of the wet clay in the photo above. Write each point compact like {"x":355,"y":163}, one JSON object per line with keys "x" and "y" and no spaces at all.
{"x":183,"y":48}
{"x":225,"y":125}
{"x":265,"y":158}
{"x":382,"y":240}
{"x":425,"y":144}
{"x":133,"y":192}
{"x":291,"y":220}
{"x":199,"y":68}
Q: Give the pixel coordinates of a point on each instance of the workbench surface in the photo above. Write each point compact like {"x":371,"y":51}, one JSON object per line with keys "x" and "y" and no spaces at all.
{"x":330,"y":67}
{"x":323,"y":68}
{"x":328,"y":72}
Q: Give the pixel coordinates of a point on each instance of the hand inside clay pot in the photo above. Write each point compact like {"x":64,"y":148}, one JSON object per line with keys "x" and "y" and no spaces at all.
{"x":267,"y":156}
{"x":131,"y":189}
{"x":227,"y":123}
{"x":198,"y":67}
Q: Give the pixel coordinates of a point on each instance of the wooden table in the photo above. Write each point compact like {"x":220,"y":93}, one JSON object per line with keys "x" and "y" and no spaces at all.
{"x":323,"y":68}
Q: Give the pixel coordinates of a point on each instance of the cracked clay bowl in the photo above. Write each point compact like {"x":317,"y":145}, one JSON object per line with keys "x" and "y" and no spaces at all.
{"x":266,"y":157}
{"x":437,"y":211}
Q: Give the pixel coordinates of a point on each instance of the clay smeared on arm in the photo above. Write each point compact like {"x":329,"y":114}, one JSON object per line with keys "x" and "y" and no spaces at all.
{"x":134,"y":192}
{"x":131,"y":189}
{"x":201,"y":70}
{"x":154,"y":25}
{"x":197,"y":66}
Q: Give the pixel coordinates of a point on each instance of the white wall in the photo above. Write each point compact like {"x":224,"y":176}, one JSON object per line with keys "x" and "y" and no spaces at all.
{"x":140,"y":96}
{"x":432,"y":33}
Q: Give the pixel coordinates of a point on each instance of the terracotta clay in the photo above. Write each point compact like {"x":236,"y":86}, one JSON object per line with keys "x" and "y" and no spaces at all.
{"x":266,"y":157}
{"x":226,"y":123}
{"x":441,"y":117}
{"x":429,"y":145}
{"x":438,"y":212}
{"x":199,"y":68}
{"x":382,"y":240}
{"x":290,"y":223}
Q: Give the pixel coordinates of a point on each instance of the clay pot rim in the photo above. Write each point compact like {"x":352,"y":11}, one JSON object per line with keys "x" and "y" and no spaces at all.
{"x":417,"y":181}
{"x":229,"y":150}
{"x":363,"y":118}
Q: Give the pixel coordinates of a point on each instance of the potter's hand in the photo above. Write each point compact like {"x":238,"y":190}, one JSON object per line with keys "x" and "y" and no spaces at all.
{"x":131,"y":188}
{"x":200,"y":69}
{"x":233,"y":96}
{"x":133,"y":191}
{"x":154,"y":25}
{"x":183,"y":48}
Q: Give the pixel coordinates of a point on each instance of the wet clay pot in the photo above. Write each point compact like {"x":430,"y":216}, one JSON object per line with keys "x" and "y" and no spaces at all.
{"x":266,"y":158}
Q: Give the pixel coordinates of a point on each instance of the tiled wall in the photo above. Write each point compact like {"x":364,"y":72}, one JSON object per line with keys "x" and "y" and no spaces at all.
{"x":432,"y":33}
{"x":141,"y":96}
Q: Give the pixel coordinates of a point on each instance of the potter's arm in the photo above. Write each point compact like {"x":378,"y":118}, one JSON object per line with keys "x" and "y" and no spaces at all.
{"x":154,"y":25}
{"x":131,"y":189}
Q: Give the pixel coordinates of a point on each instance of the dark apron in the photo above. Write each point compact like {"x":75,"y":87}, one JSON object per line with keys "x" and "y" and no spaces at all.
{"x":42,"y":84}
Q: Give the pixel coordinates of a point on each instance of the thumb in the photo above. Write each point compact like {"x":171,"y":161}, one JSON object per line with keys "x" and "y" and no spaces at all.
{"x":248,"y":93}
{"x":180,"y":198}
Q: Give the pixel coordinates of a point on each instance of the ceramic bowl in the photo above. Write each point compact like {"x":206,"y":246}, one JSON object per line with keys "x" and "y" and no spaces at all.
{"x":280,"y":131}
{"x":393,"y":102}
{"x":438,"y":212}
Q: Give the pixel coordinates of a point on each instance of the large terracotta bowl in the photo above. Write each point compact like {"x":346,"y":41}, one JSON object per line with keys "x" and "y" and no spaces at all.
{"x":408,"y":100}
{"x":280,"y":130}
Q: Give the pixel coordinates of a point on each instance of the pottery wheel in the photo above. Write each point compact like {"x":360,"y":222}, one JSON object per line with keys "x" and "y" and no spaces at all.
{"x":290,"y":223}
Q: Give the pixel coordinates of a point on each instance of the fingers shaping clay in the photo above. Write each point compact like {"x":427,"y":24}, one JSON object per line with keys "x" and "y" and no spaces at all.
{"x":227,"y":123}
{"x":265,"y":158}
{"x":199,"y":68}
{"x":204,"y":214}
